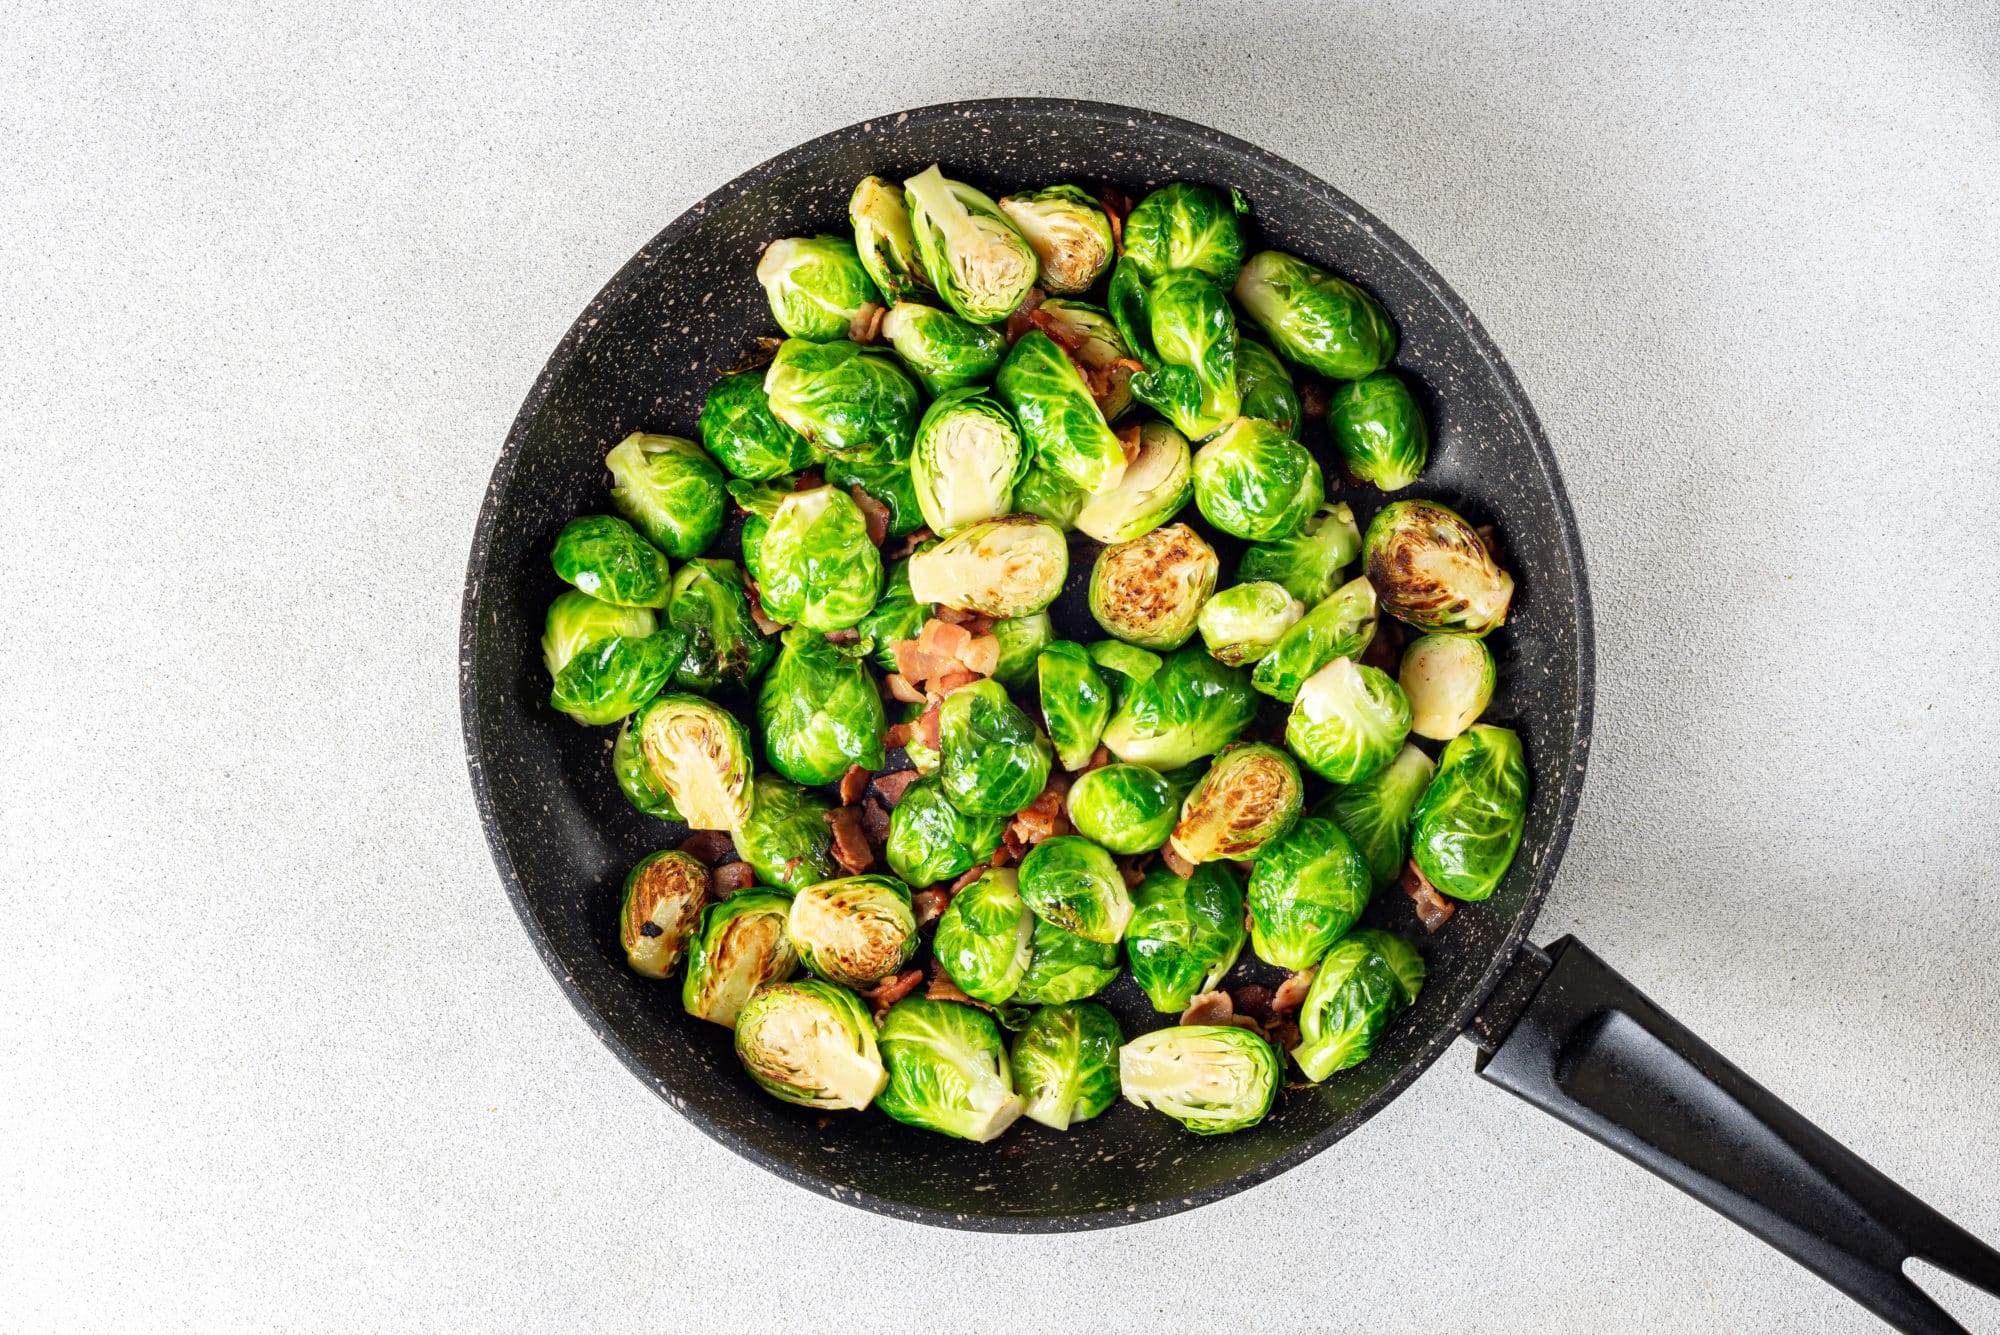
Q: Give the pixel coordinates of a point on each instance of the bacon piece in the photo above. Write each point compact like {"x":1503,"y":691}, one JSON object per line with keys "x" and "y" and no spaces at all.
{"x":1284,"y":1035}
{"x":733,"y":876}
{"x":810,"y":480}
{"x":942,"y":988}
{"x":1012,"y":846}
{"x":1042,"y":818}
{"x":847,"y":636}
{"x":1210,"y":1008}
{"x":952,"y":615}
{"x":906,"y":544}
{"x":1253,"y":1000}
{"x":981,"y":654}
{"x":913,"y":664}
{"x":1176,"y":864}
{"x":1433,"y":909}
{"x":873,"y":513}
{"x":875,"y":820}
{"x":899,"y":733}
{"x":929,"y":905}
{"x":1312,"y":398}
{"x":1018,"y":322}
{"x":1060,"y":331}
{"x":853,"y":784}
{"x":1130,"y":871}
{"x":966,"y":879}
{"x":850,"y":842}
{"x":1098,"y":760}
{"x":951,"y":681}
{"x":943,"y":639}
{"x":891,"y":787}
{"x":901,"y":689}
{"x":1291,"y":993}
{"x":1128,"y":437}
{"x":757,"y":612}
{"x":927,"y":729}
{"x":867,"y":322}
{"x":892,"y":990}
{"x":975,"y":623}
{"x":709,"y":846}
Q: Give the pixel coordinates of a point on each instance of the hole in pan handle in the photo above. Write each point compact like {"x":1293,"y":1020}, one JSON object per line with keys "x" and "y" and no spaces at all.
{"x":1570,"y":1035}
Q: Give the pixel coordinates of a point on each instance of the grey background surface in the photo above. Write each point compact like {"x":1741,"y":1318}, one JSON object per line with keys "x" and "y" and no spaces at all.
{"x":274,"y":1052}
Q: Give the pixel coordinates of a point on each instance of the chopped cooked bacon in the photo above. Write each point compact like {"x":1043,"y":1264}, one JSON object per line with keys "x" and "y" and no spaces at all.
{"x":899,"y":733}
{"x":942,"y":988}
{"x":901,"y":689}
{"x":952,"y":681}
{"x":927,"y":729}
{"x":733,"y":876}
{"x":976,"y":623}
{"x":1284,"y":1035}
{"x":847,"y":636}
{"x":1130,"y":871}
{"x":1098,"y":760}
{"x":1291,"y":993}
{"x":809,"y":480}
{"x":929,"y":905}
{"x":892,"y":990}
{"x":890,"y":787}
{"x":952,"y":615}
{"x":906,"y":544}
{"x":866,"y":323}
{"x":981,"y":655}
{"x":1128,"y":437}
{"x":853,"y":784}
{"x":873,"y":513}
{"x":942,"y":639}
{"x":1064,"y":334}
{"x":709,"y":846}
{"x":913,"y":664}
{"x":967,"y":879}
{"x":1210,"y":1008}
{"x":1042,"y":818}
{"x":1254,"y":1000}
{"x":850,"y":842}
{"x":1433,"y":909}
{"x":1019,"y":323}
{"x":1312,"y":398}
{"x":1012,"y":847}
{"x":757,"y":612}
{"x":875,"y":820}
{"x":1176,"y":864}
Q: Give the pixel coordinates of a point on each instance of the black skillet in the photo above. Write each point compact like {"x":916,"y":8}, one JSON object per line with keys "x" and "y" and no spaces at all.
{"x":1554,"y":1025}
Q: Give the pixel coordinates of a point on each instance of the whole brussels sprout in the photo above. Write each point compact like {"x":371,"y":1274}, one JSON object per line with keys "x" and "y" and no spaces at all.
{"x":1314,"y":318}
{"x":888,"y":482}
{"x":700,"y":754}
{"x":1379,"y":429}
{"x":662,"y":905}
{"x":1309,"y":562}
{"x":740,"y":945}
{"x":1361,"y":985}
{"x":1150,"y":591}
{"x":1186,"y":226}
{"x":1180,"y":326}
{"x":635,"y":778}
{"x":896,"y":616}
{"x":987,"y":937}
{"x":816,"y":286}
{"x":670,"y":490}
{"x":1211,"y":1078}
{"x":1265,"y":389}
{"x":1070,"y":234}
{"x":711,"y":609}
{"x":882,"y":237}
{"x":1022,"y":640}
{"x":931,"y":841}
{"x":605,"y":660}
{"x":1098,"y":350}
{"x":948,"y":1070}
{"x":1050,"y":495}
{"x":1066,"y":1063}
{"x":855,"y":930}
{"x":812,"y":560}
{"x":1192,"y":707}
{"x":606,"y":558}
{"x":975,"y":259}
{"x":942,"y":351}
{"x":847,"y":401}
{"x":966,"y":460}
{"x":1348,"y":722}
{"x":1307,"y":890}
{"x":1341,"y":627}
{"x":819,"y":711}
{"x":1156,"y":486}
{"x":1468,"y":824}
{"x":1074,"y":884}
{"x":1376,"y":812}
{"x":1065,"y":967}
{"x":1250,"y":795}
{"x":1186,"y":934}
{"x":786,"y":839}
{"x":1242,"y":624}
{"x":1256,"y":482}
{"x":926,"y":758}
{"x":1124,"y":666}
{"x":812,"y":1044}
{"x":739,"y":429}
{"x":1013,"y":566}
{"x":1433,"y":570}
{"x":1076,"y":704}
{"x":1059,"y":417}
{"x":995,"y":760}
{"x":1449,"y":679}
{"x":1127,"y":808}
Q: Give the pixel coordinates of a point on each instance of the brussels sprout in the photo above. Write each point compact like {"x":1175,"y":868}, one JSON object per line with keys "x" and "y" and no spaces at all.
{"x":1265,"y":389}
{"x":700,"y":755}
{"x":995,"y":760}
{"x":723,"y":645}
{"x":1076,"y":704}
{"x":896,"y":616}
{"x":816,"y":286}
{"x":812,"y":1044}
{"x":1433,"y":570}
{"x":887,"y":482}
{"x":1097,"y":349}
{"x":1126,"y":665}
{"x":1186,"y":934}
{"x":1307,"y":889}
{"x":1379,"y":429}
{"x":1066,"y":1063}
{"x":1180,"y":326}
{"x":1361,"y":985}
{"x":986,"y":937}
{"x":1070,"y":234}
{"x":948,"y":1070}
{"x":1468,"y":823}
{"x":966,"y":460}
{"x":786,"y":839}
{"x":1449,"y":679}
{"x":1186,"y":226}
{"x":1156,"y":486}
{"x":882,"y":237}
{"x":1250,"y":795}
{"x":932,"y":841}
{"x":1308,"y":563}
{"x":1127,"y":808}
{"x":975,"y":259}
{"x":812,"y":560}
{"x":607,"y":559}
{"x":1013,"y":566}
{"x":1050,"y":495}
{"x":1341,"y":627}
{"x":670,"y":490}
{"x":1075,"y":885}
{"x":606,"y":660}
{"x":635,"y":778}
{"x":1348,"y":722}
{"x":1314,"y":318}
{"x":819,"y":711}
{"x":1211,"y":1078}
{"x":740,"y":945}
{"x":662,"y":904}
{"x":1242,"y":624}
{"x":855,"y":930}
{"x":1376,"y":812}
{"x":745,"y":436}
{"x":1256,"y":482}
{"x":1066,"y":967}
{"x":1150,"y":591}
{"x":1059,"y":418}
{"x":1192,"y":707}
{"x":927,"y":759}
{"x":849,"y":402}
{"x":1022,"y":640}
{"x":942,"y":351}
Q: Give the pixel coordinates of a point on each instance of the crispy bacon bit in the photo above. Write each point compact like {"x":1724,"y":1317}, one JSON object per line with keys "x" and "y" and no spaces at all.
{"x":906,"y":544}
{"x":1132,"y":874}
{"x":1433,"y":909}
{"x":1128,"y":436}
{"x":891,"y":787}
{"x":966,"y":880}
{"x":942,"y":988}
{"x":927,"y":730}
{"x":899,"y":733}
{"x":1098,"y":760}
{"x":847,"y":636}
{"x":1312,"y":398}
{"x":733,"y":876}
{"x":952,"y":615}
{"x":873,"y":513}
{"x":850,"y":842}
{"x":757,"y":612}
{"x":867,"y":322}
{"x":1386,"y":649}
{"x":942,"y":639}
{"x":875,"y":820}
{"x":1254,"y":1000}
{"x":981,"y":655}
{"x":1018,"y":323}
{"x":709,"y":846}
{"x":1042,"y":818}
{"x":1064,"y":334}
{"x":913,"y":664}
{"x":1291,"y":993}
{"x":951,"y":681}
{"x":900,"y":688}
{"x":1284,"y":1035}
{"x":853,"y":784}
{"x":809,"y":480}
{"x":1210,"y":1008}
{"x":1491,"y":537}
{"x":892,"y":990}
{"x":929,"y":905}
{"x":1176,"y":864}
{"x":976,"y":624}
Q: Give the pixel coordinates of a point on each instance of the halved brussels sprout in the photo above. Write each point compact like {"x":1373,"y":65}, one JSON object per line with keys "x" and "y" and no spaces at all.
{"x":896,"y":616}
{"x":1376,"y":812}
{"x":635,"y":777}
{"x":1097,"y":349}
{"x":1180,"y":326}
{"x":605,"y":660}
{"x":1065,"y":967}
{"x":1070,"y":234}
{"x":1468,"y":824}
{"x":740,"y":945}
{"x":670,"y":490}
{"x":1157,"y":484}
{"x":926,"y":758}
{"x":975,"y":259}
{"x":786,"y":839}
{"x":1264,"y":387}
{"x":1059,"y":417}
{"x":1186,"y":935}
{"x":855,"y":930}
{"x":995,"y":760}
{"x":847,"y":401}
{"x":882,"y":238}
{"x":1242,"y":624}
{"x":1066,"y":1063}
{"x":1075,"y":885}
{"x":1308,"y":563}
{"x":745,"y":436}
{"x":948,"y":1070}
{"x":1343,"y":626}
{"x":1256,"y":482}
{"x":942,"y":351}
{"x":606,"y":558}
{"x":711,"y":609}
{"x":1433,"y":570}
{"x":816,"y":286}
{"x":1076,"y":704}
{"x":700,"y":754}
{"x":1013,"y":566}
{"x":1306,"y":891}
{"x":966,"y":460}
{"x":1050,"y":495}
{"x":1022,"y":640}
{"x":1192,"y":707}
{"x":1187,"y":226}
{"x":1250,"y":795}
{"x":1127,"y":808}
{"x":662,"y":904}
{"x":1379,"y":429}
{"x":1361,"y":985}
{"x":888,"y":482}
{"x":1211,"y":1078}
{"x":1348,"y":722}
{"x":986,"y":937}
{"x":819,"y":711}
{"x":1314,"y":318}
{"x":1150,"y":591}
{"x":931,"y":841}
{"x":812,"y":1044}
{"x":812,"y":560}
{"x":1449,"y":679}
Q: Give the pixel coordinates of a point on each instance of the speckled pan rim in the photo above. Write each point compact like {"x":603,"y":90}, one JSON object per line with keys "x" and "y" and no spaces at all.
{"x":585,"y":328}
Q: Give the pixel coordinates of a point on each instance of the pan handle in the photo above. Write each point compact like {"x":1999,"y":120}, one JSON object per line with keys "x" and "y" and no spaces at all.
{"x":1571,"y":1036}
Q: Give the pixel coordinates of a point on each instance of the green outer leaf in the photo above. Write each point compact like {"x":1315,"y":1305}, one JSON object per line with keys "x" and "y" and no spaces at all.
{"x":1307,"y":890}
{"x":895,"y":616}
{"x":1192,"y":707}
{"x":1309,"y":562}
{"x":1349,"y":721}
{"x":995,"y":761}
{"x":1186,"y":934}
{"x":1065,"y":967}
{"x":888,"y":483}
{"x":819,"y":711}
{"x":814,"y":565}
{"x":815,"y":285}
{"x":1343,"y":626}
{"x":1193,"y":336}
{"x":1022,"y":640}
{"x":1362,"y":985}
{"x":1468,"y":824}
{"x":670,"y":490}
{"x":1050,"y":495}
{"x":1376,"y":812}
{"x":1315,"y":318}
{"x":739,"y":429}
{"x":1066,"y":1063}
{"x":1059,"y":419}
{"x":635,"y":780}
{"x":943,"y":351}
{"x":1243,"y":623}
{"x":606,"y":558}
{"x":1265,"y":388}
{"x":612,"y":677}
{"x":1129,"y":809}
{"x":786,"y":840}
{"x":931,"y":841}
{"x":1076,"y":704}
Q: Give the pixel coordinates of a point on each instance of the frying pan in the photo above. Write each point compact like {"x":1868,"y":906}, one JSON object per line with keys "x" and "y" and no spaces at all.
{"x":1555,"y":1025}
